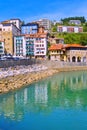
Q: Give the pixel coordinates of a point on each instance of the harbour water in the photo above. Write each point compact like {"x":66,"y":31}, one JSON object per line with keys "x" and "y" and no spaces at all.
{"x":55,"y":103}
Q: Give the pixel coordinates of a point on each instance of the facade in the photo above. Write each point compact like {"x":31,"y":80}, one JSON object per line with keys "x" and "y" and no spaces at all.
{"x":1,"y":48}
{"x":68,"y":53}
{"x":29,"y":46}
{"x":7,"y":32}
{"x":70,"y":29}
{"x":34,"y":45}
{"x":30,"y":28}
{"x":40,"y":47}
{"x":76,"y":53}
{"x":56,"y":52}
{"x":46,"y":23}
{"x":19,"y":46}
{"x":16,"y":22}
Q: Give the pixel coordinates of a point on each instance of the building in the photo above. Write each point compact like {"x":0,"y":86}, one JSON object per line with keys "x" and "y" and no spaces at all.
{"x":70,"y":29}
{"x":16,"y":22}
{"x":76,"y":53}
{"x":46,"y":23}
{"x":19,"y":46}
{"x":7,"y":32}
{"x":68,"y":52}
{"x":29,"y":46}
{"x":1,"y":48}
{"x":32,"y":45}
{"x":56,"y":52}
{"x":53,"y":40}
{"x":75,"y":22}
{"x":29,"y":28}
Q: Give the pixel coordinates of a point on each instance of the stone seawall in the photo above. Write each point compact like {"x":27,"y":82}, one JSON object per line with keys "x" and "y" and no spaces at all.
{"x":18,"y":81}
{"x":12,"y":63}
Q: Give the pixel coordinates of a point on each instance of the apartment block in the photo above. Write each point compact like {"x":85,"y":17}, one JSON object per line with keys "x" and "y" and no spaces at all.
{"x":34,"y":45}
{"x":19,"y":46}
{"x":46,"y":23}
{"x":30,"y":28}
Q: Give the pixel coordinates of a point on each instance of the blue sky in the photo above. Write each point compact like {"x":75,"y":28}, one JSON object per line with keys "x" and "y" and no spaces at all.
{"x":30,"y":10}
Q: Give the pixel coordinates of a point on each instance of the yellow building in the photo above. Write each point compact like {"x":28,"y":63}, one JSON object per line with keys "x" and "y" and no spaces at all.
{"x":57,"y":52}
{"x":7,"y":32}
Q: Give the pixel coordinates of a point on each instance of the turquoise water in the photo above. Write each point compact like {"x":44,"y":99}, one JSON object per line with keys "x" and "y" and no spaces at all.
{"x":56,"y":103}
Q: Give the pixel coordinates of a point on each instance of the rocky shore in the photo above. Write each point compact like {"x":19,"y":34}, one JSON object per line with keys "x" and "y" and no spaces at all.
{"x":15,"y":78}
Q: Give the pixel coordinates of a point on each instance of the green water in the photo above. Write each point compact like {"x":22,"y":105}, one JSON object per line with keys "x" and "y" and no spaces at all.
{"x":56,"y":103}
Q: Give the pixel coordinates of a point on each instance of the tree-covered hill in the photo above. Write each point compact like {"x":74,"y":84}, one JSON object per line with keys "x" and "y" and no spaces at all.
{"x":66,"y":20}
{"x":79,"y":38}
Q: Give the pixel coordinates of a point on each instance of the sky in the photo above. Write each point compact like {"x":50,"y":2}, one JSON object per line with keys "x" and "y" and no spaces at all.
{"x":31,"y":10}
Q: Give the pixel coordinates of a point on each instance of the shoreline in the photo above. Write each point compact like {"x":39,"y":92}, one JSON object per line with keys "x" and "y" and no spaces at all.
{"x":15,"y":82}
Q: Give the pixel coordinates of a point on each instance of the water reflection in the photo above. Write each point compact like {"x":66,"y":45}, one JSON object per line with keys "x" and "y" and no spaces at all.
{"x":65,"y":90}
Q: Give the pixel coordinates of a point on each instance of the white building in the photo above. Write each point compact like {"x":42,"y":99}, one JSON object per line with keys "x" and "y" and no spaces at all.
{"x":16,"y":22}
{"x":70,"y":29}
{"x":40,"y":47}
{"x":1,"y":48}
{"x":76,"y":22}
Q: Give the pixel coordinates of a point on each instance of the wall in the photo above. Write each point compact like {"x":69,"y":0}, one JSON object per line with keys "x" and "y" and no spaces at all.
{"x":11,"y":63}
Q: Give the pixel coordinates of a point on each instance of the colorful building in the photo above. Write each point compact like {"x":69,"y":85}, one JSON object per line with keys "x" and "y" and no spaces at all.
{"x":19,"y":46}
{"x":29,"y":28}
{"x":34,"y":45}
{"x":56,"y":52}
{"x":68,"y":52}
{"x":70,"y":29}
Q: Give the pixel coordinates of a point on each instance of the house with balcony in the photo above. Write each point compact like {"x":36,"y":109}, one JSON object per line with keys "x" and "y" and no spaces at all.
{"x":32,"y":45}
{"x":19,"y":46}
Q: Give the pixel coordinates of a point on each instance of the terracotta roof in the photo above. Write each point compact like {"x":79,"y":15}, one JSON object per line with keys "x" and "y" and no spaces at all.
{"x":74,"y":45}
{"x":37,"y":35}
{"x":56,"y":47}
{"x":64,"y":46}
